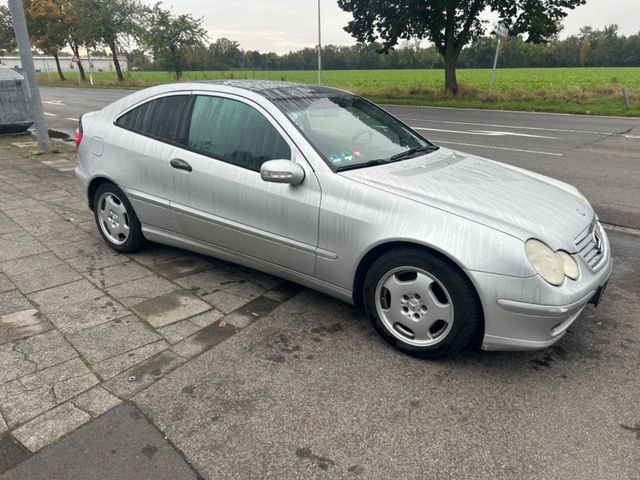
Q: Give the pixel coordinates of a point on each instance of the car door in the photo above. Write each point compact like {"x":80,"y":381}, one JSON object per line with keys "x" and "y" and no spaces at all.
{"x":220,"y":197}
{"x":144,"y":138}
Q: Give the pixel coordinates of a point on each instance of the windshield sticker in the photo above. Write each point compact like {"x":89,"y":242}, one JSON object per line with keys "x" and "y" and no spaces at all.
{"x":358,"y":154}
{"x":335,"y":158}
{"x":347,"y":156}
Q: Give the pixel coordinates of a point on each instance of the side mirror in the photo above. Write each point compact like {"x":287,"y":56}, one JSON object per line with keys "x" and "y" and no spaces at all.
{"x":282,"y":171}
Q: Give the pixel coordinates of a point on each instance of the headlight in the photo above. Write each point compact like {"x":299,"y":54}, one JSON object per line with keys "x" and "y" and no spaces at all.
{"x":545,"y":261}
{"x":569,"y":264}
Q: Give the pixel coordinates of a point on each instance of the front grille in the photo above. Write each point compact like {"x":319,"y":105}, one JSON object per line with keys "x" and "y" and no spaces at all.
{"x":590,"y":244}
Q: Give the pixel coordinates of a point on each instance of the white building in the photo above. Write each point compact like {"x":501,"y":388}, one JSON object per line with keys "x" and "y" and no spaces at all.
{"x":48,"y":64}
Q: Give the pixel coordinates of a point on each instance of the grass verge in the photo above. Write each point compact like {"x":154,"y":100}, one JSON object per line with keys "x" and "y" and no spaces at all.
{"x":595,"y":91}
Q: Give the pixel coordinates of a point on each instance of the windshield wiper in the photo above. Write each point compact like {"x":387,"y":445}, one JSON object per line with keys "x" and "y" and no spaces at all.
{"x":395,"y":158}
{"x":370,"y":163}
{"x":412,"y":152}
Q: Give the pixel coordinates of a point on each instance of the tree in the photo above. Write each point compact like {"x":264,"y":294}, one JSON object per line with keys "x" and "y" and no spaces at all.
{"x":226,"y":52}
{"x":81,"y":32}
{"x":7,"y":35}
{"x":48,"y":27}
{"x":451,"y":24}
{"x":169,"y":36}
{"x":113,"y":23}
{"x":585,"y":49}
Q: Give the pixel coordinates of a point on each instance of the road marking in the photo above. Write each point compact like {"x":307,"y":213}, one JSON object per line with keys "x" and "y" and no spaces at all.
{"x":524,"y":112}
{"x":620,"y":228}
{"x":50,"y":114}
{"x":637,"y":137}
{"x":486,"y":133}
{"x":53,"y":102}
{"x":499,"y":148}
{"x":507,"y":126}
{"x":72,"y":119}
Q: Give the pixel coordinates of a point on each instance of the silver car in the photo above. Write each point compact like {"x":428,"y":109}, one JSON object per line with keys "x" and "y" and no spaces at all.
{"x":316,"y":185}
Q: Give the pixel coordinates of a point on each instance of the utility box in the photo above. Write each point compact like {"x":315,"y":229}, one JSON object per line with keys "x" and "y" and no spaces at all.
{"x":15,"y":111}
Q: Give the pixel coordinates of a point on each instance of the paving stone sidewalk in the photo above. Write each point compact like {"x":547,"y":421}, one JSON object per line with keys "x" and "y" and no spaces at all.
{"x":83,"y":328}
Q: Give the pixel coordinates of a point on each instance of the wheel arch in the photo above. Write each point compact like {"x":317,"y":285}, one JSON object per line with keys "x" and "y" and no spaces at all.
{"x":380,"y":249}
{"x":94,"y":184}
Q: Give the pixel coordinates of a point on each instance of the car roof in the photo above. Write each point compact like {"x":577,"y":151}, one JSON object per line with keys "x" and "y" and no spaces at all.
{"x":276,"y":90}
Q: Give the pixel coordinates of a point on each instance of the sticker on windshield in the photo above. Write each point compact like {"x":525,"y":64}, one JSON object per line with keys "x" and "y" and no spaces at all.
{"x":347,"y":156}
{"x":335,"y":158}
{"x":358,"y":153}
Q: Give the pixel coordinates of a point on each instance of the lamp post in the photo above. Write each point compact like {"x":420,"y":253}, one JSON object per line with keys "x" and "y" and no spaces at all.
{"x":319,"y":47}
{"x":26,"y":59}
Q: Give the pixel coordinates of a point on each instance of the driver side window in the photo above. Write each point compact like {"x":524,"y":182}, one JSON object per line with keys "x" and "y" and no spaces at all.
{"x":234,"y":132}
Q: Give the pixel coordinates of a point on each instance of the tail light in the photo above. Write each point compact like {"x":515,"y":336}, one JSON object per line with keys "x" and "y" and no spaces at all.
{"x":79,"y":133}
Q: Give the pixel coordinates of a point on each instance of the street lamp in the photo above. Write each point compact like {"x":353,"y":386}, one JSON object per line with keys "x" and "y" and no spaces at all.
{"x":319,"y":47}
{"x":26,"y":60}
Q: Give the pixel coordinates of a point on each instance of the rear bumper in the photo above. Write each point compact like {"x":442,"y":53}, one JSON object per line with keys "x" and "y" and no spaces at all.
{"x":530,"y":314}
{"x":84,"y":179}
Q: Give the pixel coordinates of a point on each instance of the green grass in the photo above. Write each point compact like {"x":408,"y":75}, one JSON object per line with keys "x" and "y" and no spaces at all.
{"x":569,"y":90}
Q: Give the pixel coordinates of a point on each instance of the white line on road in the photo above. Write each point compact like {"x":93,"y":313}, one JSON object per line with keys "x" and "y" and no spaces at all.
{"x":506,"y":126}
{"x":50,"y":114}
{"x":637,"y":137}
{"x":72,"y":119}
{"x":524,"y":112}
{"x":54,"y":102}
{"x":499,"y":148}
{"x":486,"y":133}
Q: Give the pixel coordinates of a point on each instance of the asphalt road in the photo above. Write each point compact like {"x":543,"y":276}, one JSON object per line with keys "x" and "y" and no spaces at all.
{"x":599,"y":155}
{"x":312,"y":392}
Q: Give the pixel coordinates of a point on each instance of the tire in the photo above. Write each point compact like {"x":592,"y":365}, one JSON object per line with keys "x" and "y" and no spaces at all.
{"x":421,"y":304}
{"x":116,"y":220}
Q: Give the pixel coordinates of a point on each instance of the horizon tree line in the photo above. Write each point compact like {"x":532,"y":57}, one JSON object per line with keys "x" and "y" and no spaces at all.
{"x":156,"y":38}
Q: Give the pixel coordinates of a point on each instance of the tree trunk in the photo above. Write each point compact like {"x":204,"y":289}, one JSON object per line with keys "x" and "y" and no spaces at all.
{"x":60,"y":74}
{"x":176,"y":60}
{"x":76,"y":52}
{"x":116,"y":63}
{"x":450,"y":80}
{"x":81,"y":68}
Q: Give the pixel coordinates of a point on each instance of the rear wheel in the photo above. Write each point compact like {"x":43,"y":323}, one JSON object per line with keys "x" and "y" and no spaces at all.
{"x":420,"y":303}
{"x":116,"y":220}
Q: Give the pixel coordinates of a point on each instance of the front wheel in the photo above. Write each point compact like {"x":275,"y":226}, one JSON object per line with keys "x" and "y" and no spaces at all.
{"x":116,"y":220}
{"x":421,"y":304}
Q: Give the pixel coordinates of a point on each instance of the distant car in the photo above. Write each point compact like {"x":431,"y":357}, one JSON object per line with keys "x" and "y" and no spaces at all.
{"x":321,"y":187}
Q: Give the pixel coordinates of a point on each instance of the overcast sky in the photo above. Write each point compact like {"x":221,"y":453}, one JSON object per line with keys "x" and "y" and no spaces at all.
{"x":284,"y":25}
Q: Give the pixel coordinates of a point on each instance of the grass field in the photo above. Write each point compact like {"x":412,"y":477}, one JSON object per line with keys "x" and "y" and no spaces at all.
{"x":570,"y":90}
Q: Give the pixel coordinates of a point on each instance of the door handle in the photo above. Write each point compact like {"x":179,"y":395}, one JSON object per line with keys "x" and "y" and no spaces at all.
{"x":180,"y":164}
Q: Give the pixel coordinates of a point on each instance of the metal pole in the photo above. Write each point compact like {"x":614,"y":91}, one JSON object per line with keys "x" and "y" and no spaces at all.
{"x":319,"y":47}
{"x":625,"y":94}
{"x":24,"y":46}
{"x":90,"y":67}
{"x":493,"y":74}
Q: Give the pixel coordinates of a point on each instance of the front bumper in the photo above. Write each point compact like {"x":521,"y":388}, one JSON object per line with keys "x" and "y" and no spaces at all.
{"x":529,"y":313}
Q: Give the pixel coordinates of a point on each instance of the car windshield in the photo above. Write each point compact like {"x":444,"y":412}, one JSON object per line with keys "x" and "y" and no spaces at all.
{"x":350,"y":132}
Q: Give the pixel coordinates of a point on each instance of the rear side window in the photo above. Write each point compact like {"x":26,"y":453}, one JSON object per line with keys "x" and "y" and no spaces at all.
{"x":234,"y":132}
{"x":163,"y":119}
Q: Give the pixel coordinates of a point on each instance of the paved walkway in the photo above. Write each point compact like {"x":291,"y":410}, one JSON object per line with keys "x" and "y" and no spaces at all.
{"x":83,"y":328}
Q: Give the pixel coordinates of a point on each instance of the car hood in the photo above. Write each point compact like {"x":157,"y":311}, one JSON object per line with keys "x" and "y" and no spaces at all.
{"x":515,"y":201}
